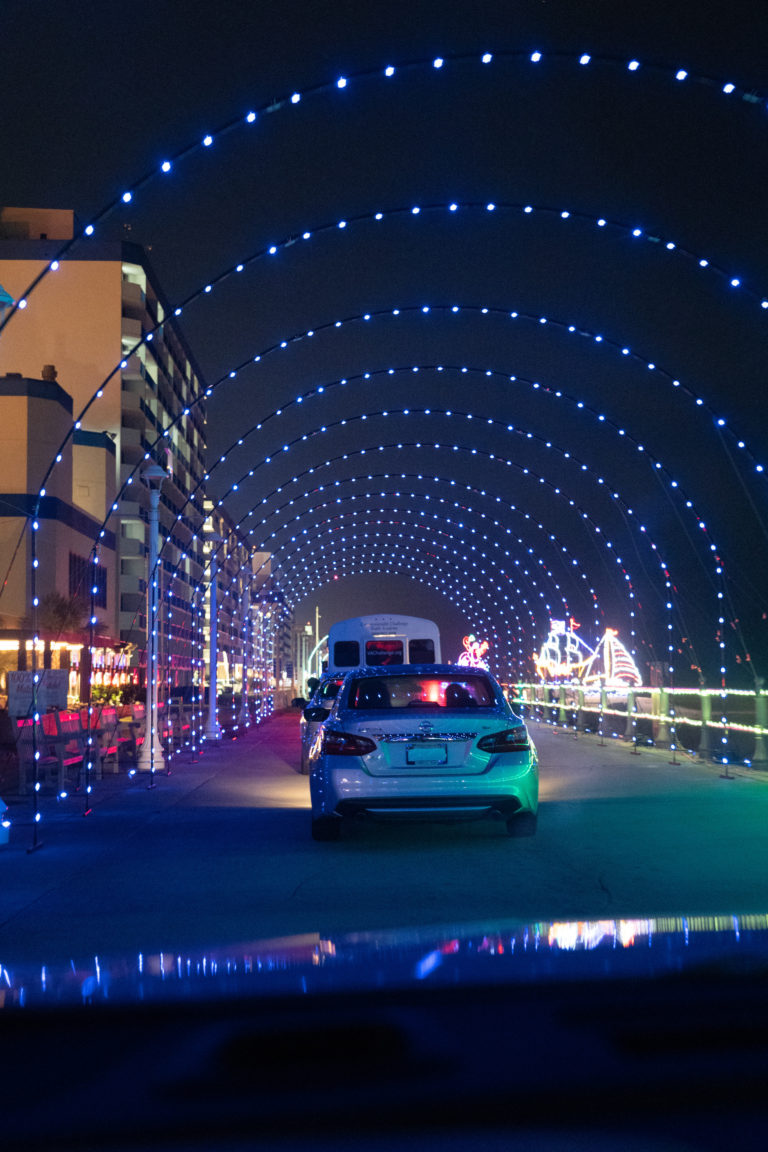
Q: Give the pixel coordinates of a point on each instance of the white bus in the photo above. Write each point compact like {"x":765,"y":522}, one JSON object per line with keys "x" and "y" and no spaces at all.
{"x":375,"y":641}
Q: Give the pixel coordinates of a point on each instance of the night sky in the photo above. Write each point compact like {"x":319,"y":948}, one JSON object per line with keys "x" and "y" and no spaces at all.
{"x":95,"y":97}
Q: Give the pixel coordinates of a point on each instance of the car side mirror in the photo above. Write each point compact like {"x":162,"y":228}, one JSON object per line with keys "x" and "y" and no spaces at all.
{"x":316,"y":715}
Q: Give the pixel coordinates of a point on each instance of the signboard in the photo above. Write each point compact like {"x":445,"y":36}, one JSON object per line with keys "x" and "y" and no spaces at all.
{"x":51,"y":691}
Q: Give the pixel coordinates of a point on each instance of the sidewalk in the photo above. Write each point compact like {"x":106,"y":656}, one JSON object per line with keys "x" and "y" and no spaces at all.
{"x":68,"y":852}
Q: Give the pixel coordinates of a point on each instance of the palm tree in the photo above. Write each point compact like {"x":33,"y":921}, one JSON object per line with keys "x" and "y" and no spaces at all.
{"x":57,"y":613}
{"x":61,"y":616}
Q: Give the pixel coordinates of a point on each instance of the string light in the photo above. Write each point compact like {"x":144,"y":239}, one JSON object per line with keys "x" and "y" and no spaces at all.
{"x":601,"y":417}
{"x":499,"y":504}
{"x":572,"y":503}
{"x":728,"y":88}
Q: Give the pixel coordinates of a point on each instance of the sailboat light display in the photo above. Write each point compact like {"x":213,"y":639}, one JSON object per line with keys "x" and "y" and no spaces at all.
{"x":564,"y":656}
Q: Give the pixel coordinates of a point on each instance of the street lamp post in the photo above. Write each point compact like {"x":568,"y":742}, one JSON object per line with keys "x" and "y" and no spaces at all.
{"x":151,"y":756}
{"x":212,"y":731}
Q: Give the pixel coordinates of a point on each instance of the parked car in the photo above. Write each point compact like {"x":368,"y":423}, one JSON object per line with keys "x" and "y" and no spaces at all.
{"x":320,"y":701}
{"x":427,"y":741}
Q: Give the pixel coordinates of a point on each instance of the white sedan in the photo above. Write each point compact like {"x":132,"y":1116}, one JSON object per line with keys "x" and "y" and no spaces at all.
{"x":422,"y":742}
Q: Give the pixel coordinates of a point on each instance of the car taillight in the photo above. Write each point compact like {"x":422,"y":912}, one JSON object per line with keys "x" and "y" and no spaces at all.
{"x":510,"y":740}
{"x":345,"y":744}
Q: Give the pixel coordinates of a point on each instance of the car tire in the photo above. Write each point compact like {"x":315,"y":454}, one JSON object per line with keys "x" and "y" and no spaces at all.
{"x":326,"y":828}
{"x":522,"y":824}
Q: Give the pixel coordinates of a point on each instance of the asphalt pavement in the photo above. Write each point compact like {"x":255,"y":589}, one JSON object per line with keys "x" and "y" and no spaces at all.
{"x":219,"y":850}
{"x":137,"y":901}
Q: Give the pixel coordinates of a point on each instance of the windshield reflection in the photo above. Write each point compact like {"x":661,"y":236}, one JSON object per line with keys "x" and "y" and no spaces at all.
{"x":312,"y":963}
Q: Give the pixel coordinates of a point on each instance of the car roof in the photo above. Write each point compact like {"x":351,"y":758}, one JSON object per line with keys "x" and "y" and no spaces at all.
{"x":419,"y":670}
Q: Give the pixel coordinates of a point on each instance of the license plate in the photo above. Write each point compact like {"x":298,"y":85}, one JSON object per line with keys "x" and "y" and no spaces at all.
{"x":427,"y":754}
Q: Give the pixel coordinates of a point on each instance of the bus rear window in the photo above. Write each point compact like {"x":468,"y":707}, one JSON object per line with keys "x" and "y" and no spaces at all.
{"x":421,"y":651}
{"x":380,"y":652}
{"x":346,"y":654}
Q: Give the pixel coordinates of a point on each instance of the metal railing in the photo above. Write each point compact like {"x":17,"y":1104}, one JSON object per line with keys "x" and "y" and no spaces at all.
{"x":721,"y":725}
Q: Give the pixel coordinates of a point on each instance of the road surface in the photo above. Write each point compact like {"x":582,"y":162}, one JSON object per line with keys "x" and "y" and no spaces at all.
{"x":219,"y":853}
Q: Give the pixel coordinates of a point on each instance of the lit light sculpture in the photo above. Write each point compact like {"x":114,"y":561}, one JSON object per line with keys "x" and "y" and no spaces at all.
{"x":564,"y":656}
{"x":611,"y":664}
{"x":474,"y":653}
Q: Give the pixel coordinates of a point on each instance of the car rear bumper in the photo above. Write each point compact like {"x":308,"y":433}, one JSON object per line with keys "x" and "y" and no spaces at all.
{"x":351,"y":791}
{"x":425,"y":807}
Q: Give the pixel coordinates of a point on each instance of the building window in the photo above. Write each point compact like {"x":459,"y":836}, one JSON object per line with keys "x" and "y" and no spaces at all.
{"x":83,"y":576}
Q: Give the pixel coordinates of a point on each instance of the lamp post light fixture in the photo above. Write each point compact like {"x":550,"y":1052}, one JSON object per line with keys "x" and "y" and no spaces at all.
{"x":212,"y":730}
{"x":151,"y":755}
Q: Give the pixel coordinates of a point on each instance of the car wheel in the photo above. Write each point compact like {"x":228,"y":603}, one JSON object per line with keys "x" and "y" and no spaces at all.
{"x":523,"y":824}
{"x":326,"y":828}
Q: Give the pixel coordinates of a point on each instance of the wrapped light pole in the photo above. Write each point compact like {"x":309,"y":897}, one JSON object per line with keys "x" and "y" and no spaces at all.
{"x":151,"y":756}
{"x":212,"y":730}
{"x":244,"y":716}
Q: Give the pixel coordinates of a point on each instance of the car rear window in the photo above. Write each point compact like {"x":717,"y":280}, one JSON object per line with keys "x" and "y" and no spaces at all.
{"x":444,"y":693}
{"x":330,"y":689}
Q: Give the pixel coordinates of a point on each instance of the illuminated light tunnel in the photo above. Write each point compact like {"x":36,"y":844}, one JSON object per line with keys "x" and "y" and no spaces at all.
{"x":426,"y":502}
{"x":659,"y":471}
{"x":425,"y":498}
{"x":497,"y":426}
{"x":455,"y":309}
{"x":316,"y":392}
{"x":472,"y":451}
{"x":496,"y":587}
{"x":422,"y":311}
{"x":544,"y":391}
{"x":211,"y":138}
